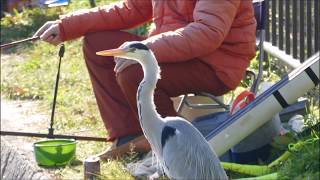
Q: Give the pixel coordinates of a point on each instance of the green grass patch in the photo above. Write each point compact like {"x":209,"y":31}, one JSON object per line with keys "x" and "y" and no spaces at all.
{"x":304,"y":162}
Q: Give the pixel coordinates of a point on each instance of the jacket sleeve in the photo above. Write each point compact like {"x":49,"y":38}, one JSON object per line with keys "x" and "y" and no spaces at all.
{"x":212,"y":22}
{"x":121,"y":15}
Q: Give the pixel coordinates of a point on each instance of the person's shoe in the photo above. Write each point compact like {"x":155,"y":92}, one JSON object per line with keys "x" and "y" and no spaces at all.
{"x":122,"y":146}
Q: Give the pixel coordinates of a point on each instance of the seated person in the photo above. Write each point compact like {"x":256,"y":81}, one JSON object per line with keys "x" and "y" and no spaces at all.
{"x":200,"y":45}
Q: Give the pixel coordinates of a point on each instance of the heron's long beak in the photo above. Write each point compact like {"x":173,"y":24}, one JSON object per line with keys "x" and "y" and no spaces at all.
{"x":113,"y":52}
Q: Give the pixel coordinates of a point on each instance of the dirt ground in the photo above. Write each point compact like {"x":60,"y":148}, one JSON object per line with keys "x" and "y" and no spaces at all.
{"x":22,"y":116}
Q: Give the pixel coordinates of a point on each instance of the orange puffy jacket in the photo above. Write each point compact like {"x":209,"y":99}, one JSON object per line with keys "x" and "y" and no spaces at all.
{"x":220,"y":33}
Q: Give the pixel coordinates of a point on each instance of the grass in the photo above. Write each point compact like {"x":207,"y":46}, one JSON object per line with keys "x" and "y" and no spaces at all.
{"x":304,"y":163}
{"x":28,"y":73}
{"x":305,"y":159}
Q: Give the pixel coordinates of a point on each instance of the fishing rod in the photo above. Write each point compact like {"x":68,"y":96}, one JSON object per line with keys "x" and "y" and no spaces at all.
{"x":29,"y":134}
{"x":19,"y":42}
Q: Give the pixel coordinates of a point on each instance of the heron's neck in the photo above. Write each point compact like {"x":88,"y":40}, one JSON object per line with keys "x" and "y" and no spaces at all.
{"x":148,"y":116}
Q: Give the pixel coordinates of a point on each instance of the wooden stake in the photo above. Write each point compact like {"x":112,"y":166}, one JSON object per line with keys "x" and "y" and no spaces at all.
{"x":91,"y":168}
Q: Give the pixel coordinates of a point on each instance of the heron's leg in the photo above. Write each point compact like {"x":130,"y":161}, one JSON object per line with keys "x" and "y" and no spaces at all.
{"x":114,"y":109}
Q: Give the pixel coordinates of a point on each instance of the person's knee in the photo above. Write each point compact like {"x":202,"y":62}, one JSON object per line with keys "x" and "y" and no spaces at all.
{"x":98,"y":41}
{"x":93,"y":42}
{"x":107,"y":39}
{"x":88,"y":44}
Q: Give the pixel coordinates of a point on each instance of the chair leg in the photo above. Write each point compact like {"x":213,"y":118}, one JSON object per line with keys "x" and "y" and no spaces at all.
{"x":181,"y":103}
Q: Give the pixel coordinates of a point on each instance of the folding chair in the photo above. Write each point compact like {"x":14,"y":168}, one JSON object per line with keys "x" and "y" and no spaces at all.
{"x":56,"y":3}
{"x":217,"y":103}
{"x":206,"y":123}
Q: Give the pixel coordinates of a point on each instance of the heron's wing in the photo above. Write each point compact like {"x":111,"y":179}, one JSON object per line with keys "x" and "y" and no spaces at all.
{"x":187,"y":155}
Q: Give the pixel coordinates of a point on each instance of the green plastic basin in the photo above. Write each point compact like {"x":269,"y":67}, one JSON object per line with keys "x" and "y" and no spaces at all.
{"x":54,"y":152}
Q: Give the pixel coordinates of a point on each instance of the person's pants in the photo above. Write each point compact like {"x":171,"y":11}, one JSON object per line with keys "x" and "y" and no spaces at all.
{"x":116,"y":93}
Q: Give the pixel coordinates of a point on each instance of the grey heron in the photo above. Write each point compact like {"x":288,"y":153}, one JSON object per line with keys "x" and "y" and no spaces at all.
{"x":180,"y":148}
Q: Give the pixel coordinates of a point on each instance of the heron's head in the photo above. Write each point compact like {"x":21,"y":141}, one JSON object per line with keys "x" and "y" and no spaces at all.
{"x":129,"y":50}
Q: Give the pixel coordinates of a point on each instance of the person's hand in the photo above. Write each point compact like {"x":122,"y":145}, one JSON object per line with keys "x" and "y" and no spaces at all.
{"x":122,"y":63}
{"x":50,"y":33}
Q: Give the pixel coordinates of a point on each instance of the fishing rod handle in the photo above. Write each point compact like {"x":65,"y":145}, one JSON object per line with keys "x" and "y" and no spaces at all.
{"x":61,"y":50}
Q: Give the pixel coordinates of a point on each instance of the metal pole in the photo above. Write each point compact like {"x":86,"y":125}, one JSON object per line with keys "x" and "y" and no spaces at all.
{"x":61,"y":53}
{"x":92,"y":3}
